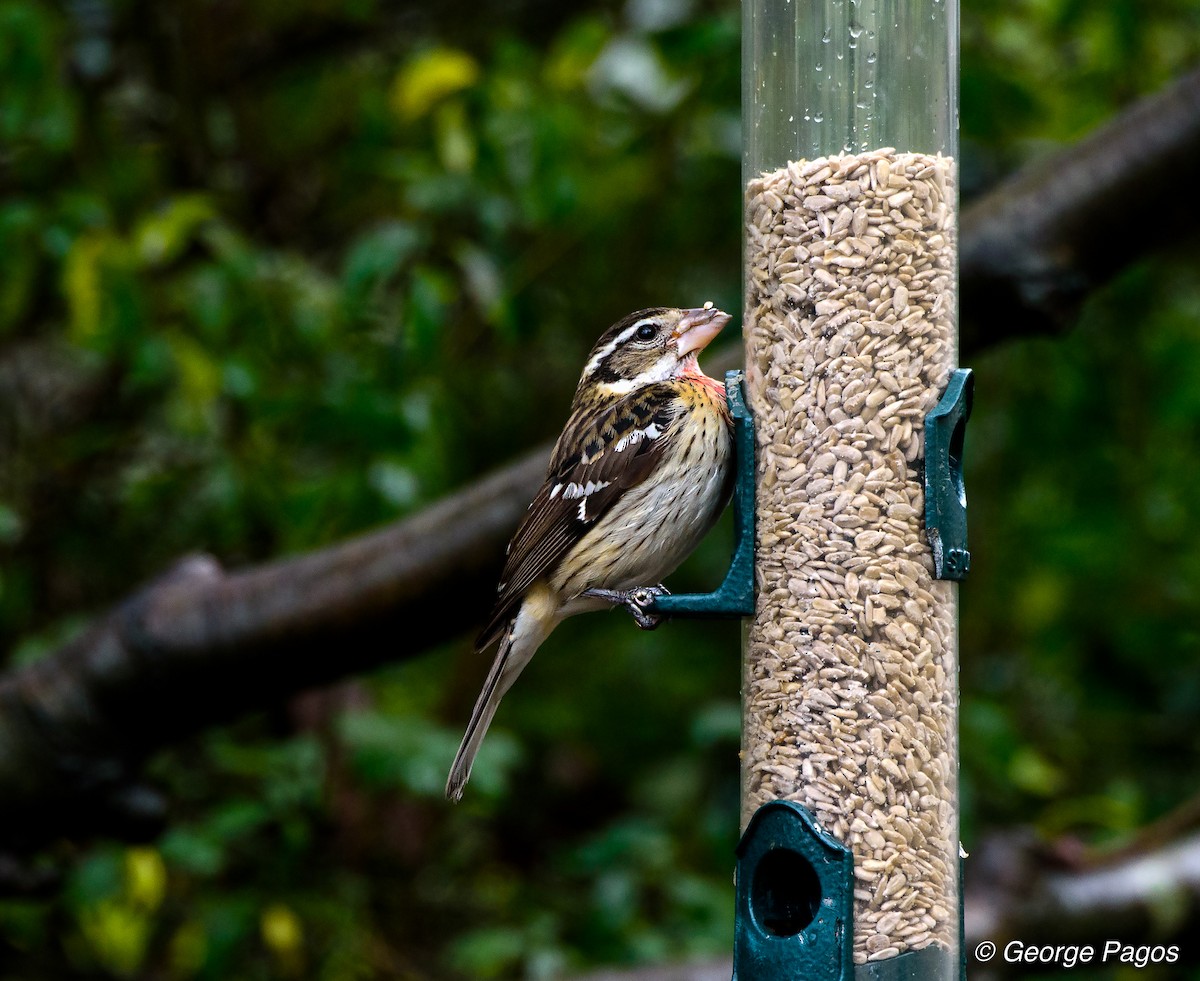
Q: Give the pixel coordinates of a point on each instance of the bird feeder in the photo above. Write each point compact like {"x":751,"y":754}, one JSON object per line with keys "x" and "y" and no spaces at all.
{"x":849,"y":863}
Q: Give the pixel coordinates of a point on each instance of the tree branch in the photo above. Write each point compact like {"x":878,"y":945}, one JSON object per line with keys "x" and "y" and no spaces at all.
{"x":1032,"y":248}
{"x":1016,"y":890}
{"x":200,"y":645}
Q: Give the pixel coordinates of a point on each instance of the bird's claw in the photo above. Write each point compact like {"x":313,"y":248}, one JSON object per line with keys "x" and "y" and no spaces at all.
{"x":637,"y":601}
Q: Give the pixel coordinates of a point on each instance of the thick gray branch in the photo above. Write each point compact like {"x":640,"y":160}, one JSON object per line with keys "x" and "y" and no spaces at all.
{"x":199,"y":646}
{"x":1141,"y":898}
{"x":1032,"y":248}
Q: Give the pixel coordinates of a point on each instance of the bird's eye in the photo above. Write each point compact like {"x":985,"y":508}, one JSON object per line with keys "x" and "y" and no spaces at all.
{"x":645,"y":332}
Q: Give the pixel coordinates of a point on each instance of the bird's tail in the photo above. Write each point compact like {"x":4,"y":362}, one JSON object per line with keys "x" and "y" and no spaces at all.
{"x":523,"y":637}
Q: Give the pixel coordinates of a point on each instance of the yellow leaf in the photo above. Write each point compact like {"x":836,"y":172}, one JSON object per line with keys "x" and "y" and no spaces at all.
{"x":428,"y":78}
{"x":281,"y":929}
{"x":145,"y":878}
{"x":456,"y":144}
{"x":198,"y":382}
{"x":188,"y":950}
{"x":164,"y":233}
{"x":117,"y":934}
{"x":283,"y":934}
{"x":81,"y":283}
{"x":1031,"y":771}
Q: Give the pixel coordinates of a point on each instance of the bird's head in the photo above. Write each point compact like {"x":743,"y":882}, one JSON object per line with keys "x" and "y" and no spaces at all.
{"x":650,"y":346}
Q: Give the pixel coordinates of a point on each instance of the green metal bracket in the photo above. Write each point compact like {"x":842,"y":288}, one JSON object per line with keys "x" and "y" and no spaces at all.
{"x":735,"y":596}
{"x":795,"y":899}
{"x":945,"y":492}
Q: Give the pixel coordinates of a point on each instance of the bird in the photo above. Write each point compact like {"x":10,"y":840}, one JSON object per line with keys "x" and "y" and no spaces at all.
{"x":640,"y":473}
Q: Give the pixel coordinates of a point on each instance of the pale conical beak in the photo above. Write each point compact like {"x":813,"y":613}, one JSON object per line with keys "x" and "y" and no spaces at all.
{"x":697,"y":327}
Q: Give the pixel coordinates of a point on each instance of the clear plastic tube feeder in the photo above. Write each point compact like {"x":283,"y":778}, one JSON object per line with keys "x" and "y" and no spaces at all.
{"x":850,"y":687}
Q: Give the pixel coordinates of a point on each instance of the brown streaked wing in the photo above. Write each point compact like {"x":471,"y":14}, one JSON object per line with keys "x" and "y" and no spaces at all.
{"x":585,"y":453}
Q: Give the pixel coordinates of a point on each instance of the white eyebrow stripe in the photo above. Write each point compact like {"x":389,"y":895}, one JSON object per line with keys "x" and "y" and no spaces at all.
{"x":621,"y":338}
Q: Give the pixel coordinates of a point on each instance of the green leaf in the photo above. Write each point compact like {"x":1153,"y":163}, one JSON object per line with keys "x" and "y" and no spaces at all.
{"x":430,"y":296}
{"x":35,"y":109}
{"x":399,"y":751}
{"x":373,"y":262}
{"x":19,"y":224}
{"x":192,"y":851}
{"x":1030,"y":771}
{"x":488,"y":952}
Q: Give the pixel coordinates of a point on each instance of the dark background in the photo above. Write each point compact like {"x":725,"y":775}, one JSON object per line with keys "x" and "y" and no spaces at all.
{"x":273,"y":273}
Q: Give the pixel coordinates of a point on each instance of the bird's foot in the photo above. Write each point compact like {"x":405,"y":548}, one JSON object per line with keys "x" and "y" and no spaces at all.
{"x":637,"y":601}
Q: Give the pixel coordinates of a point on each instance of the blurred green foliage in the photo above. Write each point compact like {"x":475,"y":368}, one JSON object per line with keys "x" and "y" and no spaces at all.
{"x":274,"y":273}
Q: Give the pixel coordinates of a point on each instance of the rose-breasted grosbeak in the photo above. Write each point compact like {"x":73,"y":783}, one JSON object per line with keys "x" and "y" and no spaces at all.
{"x":638,"y":476}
